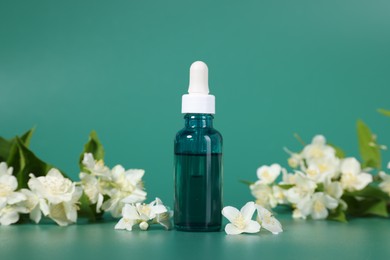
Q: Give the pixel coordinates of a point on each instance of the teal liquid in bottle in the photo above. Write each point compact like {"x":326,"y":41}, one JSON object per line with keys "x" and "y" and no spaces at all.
{"x":198,"y":159}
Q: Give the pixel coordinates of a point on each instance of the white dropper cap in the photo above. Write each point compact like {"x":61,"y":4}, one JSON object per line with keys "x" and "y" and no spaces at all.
{"x":198,"y":100}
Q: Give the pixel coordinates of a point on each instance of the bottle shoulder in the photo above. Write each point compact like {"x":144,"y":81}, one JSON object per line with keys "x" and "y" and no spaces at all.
{"x":198,"y":140}
{"x":210,"y":132}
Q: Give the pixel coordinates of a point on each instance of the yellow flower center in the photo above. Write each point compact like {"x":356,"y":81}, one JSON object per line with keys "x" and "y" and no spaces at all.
{"x":239,"y":222}
{"x":5,"y":190}
{"x":318,"y":206}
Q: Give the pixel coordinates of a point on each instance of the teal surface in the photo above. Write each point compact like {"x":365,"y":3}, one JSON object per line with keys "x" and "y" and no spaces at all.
{"x":360,"y":239}
{"x":120,"y":67}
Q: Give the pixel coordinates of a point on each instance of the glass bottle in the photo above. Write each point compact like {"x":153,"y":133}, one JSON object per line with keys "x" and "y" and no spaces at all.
{"x":198,"y":168}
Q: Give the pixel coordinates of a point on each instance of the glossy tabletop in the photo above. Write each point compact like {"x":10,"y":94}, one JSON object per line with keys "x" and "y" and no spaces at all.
{"x":359,"y":239}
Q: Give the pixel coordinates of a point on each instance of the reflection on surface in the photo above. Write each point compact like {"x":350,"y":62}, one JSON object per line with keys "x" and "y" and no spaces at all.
{"x":361,"y":238}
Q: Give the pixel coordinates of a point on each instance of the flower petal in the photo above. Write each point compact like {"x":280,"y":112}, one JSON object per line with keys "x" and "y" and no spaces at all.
{"x":334,"y":189}
{"x":35,"y":215}
{"x":58,"y":214}
{"x":350,"y":165}
{"x":231,"y":229}
{"x":230,"y":213}
{"x":88,"y":160}
{"x":260,"y":171}
{"x":3,"y":202}
{"x":16,"y":197}
{"x":9,"y":181}
{"x":54,"y":173}
{"x":330,"y":203}
{"x":135,"y":175}
{"x":99,"y":203}
{"x":121,"y":224}
{"x":9,"y":218}
{"x":158,"y":209}
{"x":273,"y":225}
{"x":164,"y":219}
{"x":125,"y":224}
{"x":320,"y":214}
{"x":70,"y":211}
{"x":252,"y":227}
{"x":130,"y":212}
{"x":363,"y":180}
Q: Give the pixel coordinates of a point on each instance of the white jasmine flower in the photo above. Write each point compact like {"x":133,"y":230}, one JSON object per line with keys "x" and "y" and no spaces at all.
{"x":303,"y":187}
{"x":127,"y":188}
{"x":264,"y":195}
{"x":288,"y":178}
{"x":317,"y":205}
{"x":150,"y":211}
{"x":9,"y":198}
{"x":241,"y":221}
{"x":58,"y":196}
{"x":268,"y":174}
{"x":267,"y":221}
{"x":320,"y":169}
{"x":138,"y":213}
{"x":8,"y":185}
{"x":9,"y":214}
{"x":279,"y":194}
{"x":385,"y":184}
{"x":92,"y":188}
{"x":95,"y":167}
{"x":318,"y":149}
{"x":33,"y":205}
{"x":129,"y":218}
{"x":295,"y":160}
{"x":352,"y":178}
{"x":53,"y":187}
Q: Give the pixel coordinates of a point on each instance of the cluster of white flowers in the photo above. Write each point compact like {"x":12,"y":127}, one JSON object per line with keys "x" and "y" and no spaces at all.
{"x":241,"y":220}
{"x":319,"y":180}
{"x":144,"y":215}
{"x":52,"y":195}
{"x":118,"y":185}
{"x":115,"y":190}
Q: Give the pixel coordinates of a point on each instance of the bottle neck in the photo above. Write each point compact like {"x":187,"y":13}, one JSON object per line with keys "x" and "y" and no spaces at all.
{"x":198,"y":120}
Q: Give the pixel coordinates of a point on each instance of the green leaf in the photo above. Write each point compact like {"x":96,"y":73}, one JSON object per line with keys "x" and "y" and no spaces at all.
{"x":29,"y":163}
{"x":286,"y":186}
{"x":338,"y":215}
{"x":378,"y":209}
{"x":368,"y":147}
{"x":26,"y":137}
{"x":5,"y":147}
{"x":339,"y":152}
{"x":369,"y":192}
{"x":92,"y":146}
{"x":384,"y":111}
{"x":320,"y":187}
{"x":366,"y":206}
{"x":25,"y":162}
{"x":246,"y":182}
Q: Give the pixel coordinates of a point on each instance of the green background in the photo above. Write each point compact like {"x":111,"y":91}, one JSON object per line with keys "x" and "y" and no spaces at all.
{"x":120,"y":67}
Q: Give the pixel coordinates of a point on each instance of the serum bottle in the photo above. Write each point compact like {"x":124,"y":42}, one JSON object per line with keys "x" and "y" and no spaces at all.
{"x":198,"y":159}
